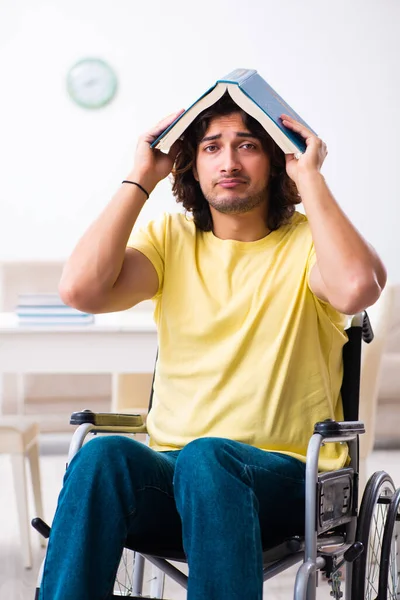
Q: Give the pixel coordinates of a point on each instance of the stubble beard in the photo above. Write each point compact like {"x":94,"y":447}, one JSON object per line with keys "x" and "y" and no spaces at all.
{"x":236,"y":205}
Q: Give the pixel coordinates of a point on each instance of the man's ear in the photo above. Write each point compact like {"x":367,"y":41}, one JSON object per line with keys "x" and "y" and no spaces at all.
{"x":195,"y":174}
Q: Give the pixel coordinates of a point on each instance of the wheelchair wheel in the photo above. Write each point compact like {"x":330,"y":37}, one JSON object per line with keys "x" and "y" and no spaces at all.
{"x":123,"y":585}
{"x":370,"y":525}
{"x":389,"y":572}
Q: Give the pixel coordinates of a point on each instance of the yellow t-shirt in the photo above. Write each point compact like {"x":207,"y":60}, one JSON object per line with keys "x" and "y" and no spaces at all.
{"x":246,"y":350}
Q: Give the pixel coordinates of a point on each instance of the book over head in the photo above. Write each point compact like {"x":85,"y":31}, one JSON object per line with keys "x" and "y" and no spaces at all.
{"x":252,"y":94}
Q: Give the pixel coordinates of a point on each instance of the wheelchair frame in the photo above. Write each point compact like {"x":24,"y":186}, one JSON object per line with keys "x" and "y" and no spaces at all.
{"x":330,"y":539}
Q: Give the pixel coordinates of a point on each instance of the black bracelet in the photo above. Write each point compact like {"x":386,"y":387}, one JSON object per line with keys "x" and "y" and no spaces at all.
{"x":139,"y":186}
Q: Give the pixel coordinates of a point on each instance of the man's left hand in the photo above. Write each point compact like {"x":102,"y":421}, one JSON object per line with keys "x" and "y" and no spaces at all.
{"x":311,"y":161}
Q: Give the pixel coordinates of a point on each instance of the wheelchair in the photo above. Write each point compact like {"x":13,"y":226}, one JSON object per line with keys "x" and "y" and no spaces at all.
{"x":338,"y":537}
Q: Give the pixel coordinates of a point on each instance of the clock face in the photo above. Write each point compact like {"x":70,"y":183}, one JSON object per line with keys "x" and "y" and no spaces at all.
{"x":91,"y":83}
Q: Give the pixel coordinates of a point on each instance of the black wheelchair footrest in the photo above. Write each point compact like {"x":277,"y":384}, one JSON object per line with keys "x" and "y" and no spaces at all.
{"x":286,"y":548}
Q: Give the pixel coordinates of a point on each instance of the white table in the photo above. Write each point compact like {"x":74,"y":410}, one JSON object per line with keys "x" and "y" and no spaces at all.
{"x":115,"y":343}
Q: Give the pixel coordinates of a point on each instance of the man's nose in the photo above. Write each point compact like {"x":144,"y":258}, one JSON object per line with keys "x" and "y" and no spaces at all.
{"x":230,"y":162}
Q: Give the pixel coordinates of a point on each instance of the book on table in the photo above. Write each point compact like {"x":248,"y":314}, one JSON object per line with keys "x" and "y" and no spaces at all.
{"x":48,"y":309}
{"x":252,"y":94}
{"x":39,"y":299}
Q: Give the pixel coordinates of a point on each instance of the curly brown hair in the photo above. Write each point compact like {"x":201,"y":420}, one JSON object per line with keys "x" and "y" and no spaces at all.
{"x":283,"y":194}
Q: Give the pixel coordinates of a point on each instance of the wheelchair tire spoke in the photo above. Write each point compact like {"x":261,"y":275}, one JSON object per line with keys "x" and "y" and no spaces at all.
{"x":393,"y":580}
{"x":388,"y":587}
{"x":375,"y":548}
{"x":370,"y":531}
{"x":124,"y":580}
{"x":375,"y":544}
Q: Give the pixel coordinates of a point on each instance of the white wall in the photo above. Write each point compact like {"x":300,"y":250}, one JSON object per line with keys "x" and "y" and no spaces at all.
{"x":336,"y":63}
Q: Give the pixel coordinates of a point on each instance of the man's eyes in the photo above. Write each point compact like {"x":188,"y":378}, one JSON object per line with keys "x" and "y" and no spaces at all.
{"x":213,"y":147}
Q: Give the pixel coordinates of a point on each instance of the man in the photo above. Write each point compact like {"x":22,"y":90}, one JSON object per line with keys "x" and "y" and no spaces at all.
{"x":249,"y":301}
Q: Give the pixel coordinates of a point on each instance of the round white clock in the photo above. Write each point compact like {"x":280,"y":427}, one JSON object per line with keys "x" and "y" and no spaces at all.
{"x":91,"y":83}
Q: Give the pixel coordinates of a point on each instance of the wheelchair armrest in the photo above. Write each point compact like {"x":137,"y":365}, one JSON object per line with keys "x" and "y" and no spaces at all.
{"x":336,"y":429}
{"x":90,"y":422}
{"x":106,"y":419}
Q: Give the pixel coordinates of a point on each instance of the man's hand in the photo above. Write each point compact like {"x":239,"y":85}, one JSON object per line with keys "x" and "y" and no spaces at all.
{"x":151,"y":165}
{"x":311,"y":161}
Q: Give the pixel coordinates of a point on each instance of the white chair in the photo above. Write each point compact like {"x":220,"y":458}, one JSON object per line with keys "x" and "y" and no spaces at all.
{"x":371,"y":361}
{"x":19,"y":437}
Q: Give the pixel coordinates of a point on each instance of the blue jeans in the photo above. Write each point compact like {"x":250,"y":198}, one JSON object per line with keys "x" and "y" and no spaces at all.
{"x":223,"y":497}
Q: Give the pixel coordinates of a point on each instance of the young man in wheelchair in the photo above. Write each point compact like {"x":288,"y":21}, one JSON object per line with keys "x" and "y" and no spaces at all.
{"x":250,"y":297}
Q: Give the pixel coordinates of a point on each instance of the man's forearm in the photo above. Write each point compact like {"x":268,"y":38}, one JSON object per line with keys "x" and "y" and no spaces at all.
{"x":97,"y":259}
{"x":348,"y":265}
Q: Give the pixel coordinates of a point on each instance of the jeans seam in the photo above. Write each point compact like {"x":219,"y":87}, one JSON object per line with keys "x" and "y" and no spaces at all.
{"x":249,"y":497}
{"x":283,"y":476}
{"x":244,"y":472}
{"x":143,"y":489}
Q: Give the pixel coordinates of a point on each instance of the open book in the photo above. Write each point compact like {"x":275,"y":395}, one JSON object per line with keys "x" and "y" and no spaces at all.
{"x":256,"y":97}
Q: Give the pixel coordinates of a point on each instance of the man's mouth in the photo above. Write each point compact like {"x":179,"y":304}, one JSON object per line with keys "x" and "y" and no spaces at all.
{"x":231,"y":183}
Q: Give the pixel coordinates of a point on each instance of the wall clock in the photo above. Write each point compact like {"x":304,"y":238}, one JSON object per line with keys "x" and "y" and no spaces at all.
{"x":91,"y":83}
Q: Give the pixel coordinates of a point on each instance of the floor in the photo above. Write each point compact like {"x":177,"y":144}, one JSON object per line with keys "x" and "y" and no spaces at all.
{"x":17,"y":583}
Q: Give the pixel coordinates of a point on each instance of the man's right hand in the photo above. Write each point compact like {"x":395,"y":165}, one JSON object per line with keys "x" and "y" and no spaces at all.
{"x":151,"y":165}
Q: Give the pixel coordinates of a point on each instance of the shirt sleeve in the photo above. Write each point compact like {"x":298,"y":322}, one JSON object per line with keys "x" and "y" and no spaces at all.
{"x":150,"y":241}
{"x":312,"y":259}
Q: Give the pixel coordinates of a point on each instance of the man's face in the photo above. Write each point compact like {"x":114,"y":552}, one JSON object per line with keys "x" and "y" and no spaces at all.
{"x":231,"y":166}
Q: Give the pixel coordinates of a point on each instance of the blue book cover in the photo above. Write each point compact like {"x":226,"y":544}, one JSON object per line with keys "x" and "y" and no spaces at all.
{"x":270,"y":102}
{"x":256,"y":97}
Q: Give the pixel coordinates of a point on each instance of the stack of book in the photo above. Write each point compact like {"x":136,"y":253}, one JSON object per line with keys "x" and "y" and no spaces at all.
{"x":48,"y":309}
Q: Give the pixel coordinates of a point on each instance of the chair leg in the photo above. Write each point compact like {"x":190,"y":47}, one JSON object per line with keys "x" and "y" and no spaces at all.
{"x":19,"y":474}
{"x":33,"y":457}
